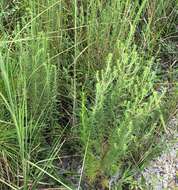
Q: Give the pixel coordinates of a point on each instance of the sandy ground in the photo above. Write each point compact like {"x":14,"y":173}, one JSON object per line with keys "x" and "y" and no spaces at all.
{"x":162,"y":172}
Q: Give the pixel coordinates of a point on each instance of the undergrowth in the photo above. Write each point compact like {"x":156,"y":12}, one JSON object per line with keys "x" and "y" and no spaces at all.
{"x":86,"y":90}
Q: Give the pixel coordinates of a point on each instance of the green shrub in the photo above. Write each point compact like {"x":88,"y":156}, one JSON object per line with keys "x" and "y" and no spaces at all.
{"x":122,"y":111}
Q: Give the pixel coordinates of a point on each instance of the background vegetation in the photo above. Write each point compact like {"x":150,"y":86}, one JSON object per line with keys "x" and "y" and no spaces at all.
{"x":86,"y":90}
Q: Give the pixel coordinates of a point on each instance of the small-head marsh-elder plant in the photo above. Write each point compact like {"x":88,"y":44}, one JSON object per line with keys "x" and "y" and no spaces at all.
{"x":125,"y":102}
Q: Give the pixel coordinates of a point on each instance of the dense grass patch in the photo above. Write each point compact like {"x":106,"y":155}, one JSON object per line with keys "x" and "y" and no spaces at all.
{"x":86,"y":89}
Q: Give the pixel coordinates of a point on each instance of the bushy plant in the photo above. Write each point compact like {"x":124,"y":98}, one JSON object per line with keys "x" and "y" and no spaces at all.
{"x":125,"y":101}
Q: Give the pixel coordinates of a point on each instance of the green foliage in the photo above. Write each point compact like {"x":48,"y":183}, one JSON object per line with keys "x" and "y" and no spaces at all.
{"x":122,"y":113}
{"x":86,"y":70}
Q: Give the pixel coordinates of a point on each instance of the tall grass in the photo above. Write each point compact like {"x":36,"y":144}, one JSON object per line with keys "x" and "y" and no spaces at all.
{"x":28,"y":99}
{"x":84,"y":74}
